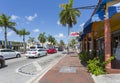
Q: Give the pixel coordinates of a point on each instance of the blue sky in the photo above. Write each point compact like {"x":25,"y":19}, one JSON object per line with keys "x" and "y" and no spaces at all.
{"x":38,"y":16}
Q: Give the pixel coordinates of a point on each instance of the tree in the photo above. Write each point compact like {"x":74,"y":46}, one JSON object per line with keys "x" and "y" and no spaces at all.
{"x":31,"y":39}
{"x":72,"y":42}
{"x":22,"y":33}
{"x":51,"y":39}
{"x":6,"y":23}
{"x":42,"y":38}
{"x":62,"y":43}
{"x":54,"y":41}
{"x":68,"y":15}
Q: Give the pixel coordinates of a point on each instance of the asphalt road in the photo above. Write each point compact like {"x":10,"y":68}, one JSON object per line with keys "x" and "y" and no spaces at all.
{"x":11,"y":73}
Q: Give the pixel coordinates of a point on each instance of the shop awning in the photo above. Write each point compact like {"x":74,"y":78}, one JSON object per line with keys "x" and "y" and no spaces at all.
{"x":95,"y":18}
{"x":114,"y":9}
{"x":81,"y":36}
{"x":99,"y":16}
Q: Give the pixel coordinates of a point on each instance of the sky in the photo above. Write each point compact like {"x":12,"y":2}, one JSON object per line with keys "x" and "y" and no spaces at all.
{"x":38,"y":16}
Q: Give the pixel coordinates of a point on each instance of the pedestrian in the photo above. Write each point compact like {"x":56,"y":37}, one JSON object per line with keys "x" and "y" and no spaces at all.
{"x":67,"y":50}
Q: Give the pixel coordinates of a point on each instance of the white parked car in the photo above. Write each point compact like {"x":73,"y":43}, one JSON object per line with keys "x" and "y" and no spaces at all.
{"x":36,"y":52}
{"x":8,"y":53}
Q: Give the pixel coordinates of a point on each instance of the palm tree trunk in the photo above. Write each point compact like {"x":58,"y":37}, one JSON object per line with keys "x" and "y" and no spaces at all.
{"x":68,"y":31}
{"x":24,"y":43}
{"x":68,"y":37}
{"x":5,"y":36}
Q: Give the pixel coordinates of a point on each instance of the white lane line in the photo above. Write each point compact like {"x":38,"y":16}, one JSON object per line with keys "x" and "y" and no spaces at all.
{"x":38,"y":67}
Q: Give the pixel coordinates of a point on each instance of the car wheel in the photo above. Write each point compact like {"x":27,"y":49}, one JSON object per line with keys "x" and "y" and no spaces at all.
{"x":18,"y":55}
{"x":0,"y":64}
{"x":46,"y":54}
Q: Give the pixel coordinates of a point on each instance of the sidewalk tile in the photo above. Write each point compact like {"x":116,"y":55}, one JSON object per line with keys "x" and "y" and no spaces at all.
{"x":73,"y":72}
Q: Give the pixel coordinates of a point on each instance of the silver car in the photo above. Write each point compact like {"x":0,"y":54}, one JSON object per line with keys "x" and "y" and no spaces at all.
{"x":8,"y":53}
{"x":36,"y":52}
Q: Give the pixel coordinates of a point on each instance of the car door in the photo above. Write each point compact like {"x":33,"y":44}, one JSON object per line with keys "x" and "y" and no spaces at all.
{"x":12,"y":52}
{"x":9,"y":53}
{"x":4,"y":54}
{"x":40,"y":52}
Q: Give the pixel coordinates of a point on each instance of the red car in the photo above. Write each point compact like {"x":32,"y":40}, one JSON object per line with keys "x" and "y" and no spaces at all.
{"x":51,"y":50}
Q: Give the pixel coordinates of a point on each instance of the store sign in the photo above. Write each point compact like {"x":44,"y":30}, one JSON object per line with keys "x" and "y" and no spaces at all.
{"x":74,"y":34}
{"x":16,"y":43}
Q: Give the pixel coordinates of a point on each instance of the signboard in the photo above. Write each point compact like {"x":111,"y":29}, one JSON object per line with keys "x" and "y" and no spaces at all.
{"x":74,"y":34}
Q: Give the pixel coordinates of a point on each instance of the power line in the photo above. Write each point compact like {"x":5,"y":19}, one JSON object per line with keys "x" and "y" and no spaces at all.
{"x":86,"y":7}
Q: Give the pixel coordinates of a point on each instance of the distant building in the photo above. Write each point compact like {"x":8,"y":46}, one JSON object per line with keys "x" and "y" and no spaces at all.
{"x":11,"y":44}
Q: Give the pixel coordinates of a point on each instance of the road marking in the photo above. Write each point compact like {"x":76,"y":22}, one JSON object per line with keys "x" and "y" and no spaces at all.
{"x":38,"y":67}
{"x":18,"y":69}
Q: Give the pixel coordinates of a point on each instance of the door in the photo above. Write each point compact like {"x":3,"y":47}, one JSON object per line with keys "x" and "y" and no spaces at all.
{"x":4,"y":54}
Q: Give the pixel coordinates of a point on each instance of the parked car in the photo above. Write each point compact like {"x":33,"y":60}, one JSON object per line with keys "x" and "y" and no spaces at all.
{"x":36,"y":52}
{"x":2,"y":61}
{"x":60,"y":48}
{"x":36,"y":47}
{"x":51,"y":50}
{"x":8,"y":53}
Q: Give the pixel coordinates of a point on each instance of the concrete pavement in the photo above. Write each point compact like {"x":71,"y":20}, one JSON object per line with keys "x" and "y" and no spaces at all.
{"x":70,"y":70}
{"x":67,"y":70}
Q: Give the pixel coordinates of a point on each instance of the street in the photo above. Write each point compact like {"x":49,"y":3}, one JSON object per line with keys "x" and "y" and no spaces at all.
{"x":21,"y":70}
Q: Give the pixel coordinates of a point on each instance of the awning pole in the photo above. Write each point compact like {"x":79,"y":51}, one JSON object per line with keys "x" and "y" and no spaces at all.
{"x":107,"y":38}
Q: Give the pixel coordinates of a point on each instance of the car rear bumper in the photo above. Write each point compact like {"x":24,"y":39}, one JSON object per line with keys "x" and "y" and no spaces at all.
{"x":31,"y":55}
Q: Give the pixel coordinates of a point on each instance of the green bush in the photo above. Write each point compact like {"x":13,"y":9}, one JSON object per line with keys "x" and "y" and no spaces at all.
{"x":85,"y":56}
{"x":96,"y":67}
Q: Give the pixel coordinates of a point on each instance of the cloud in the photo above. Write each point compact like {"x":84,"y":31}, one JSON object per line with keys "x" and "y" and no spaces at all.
{"x":0,"y":30}
{"x":58,"y":22}
{"x":14,"y":17}
{"x":60,"y":35}
{"x":10,"y":33}
{"x":36,"y":30}
{"x":31,"y":18}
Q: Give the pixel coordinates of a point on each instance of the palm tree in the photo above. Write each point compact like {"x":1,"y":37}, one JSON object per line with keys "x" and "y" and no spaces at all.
{"x":6,"y":23}
{"x":62,"y":43}
{"x":42,"y":38}
{"x":68,"y":15}
{"x":22,"y":33}
{"x":73,"y":42}
{"x":51,"y":39}
{"x":54,"y":42}
{"x":31,"y":40}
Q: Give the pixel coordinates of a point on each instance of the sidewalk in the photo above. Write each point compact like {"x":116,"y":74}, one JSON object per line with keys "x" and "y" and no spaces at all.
{"x":67,"y":70}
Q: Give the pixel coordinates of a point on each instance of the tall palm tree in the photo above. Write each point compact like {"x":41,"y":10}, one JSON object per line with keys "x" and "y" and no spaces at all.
{"x":6,"y":23}
{"x":42,"y":38}
{"x":22,"y":33}
{"x":68,"y":15}
{"x":51,"y":39}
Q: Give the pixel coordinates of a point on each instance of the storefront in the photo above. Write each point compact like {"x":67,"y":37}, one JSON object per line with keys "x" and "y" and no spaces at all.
{"x":104,"y":27}
{"x":12,"y":45}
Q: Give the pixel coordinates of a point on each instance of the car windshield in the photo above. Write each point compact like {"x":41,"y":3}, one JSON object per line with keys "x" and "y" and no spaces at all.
{"x":32,"y":47}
